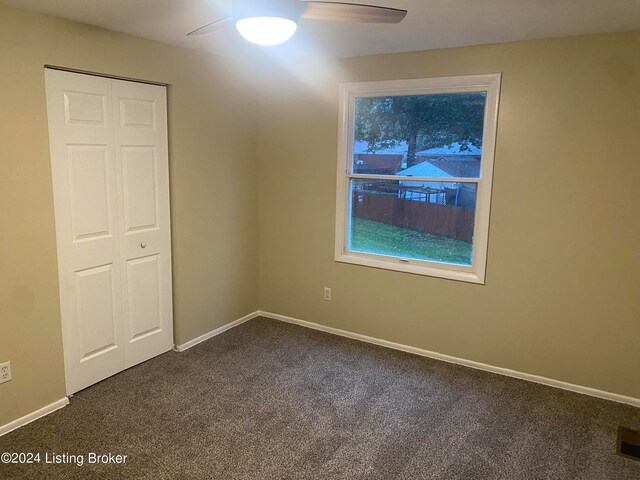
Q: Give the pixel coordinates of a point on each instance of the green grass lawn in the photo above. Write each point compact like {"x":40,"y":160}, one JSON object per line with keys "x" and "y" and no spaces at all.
{"x":379,"y":238}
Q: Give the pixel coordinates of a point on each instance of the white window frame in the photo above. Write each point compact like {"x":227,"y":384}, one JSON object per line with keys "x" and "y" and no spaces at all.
{"x":489,"y":83}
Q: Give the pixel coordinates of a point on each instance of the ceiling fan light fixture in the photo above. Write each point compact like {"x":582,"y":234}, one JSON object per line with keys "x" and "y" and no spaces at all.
{"x":267,"y":31}
{"x":271,"y":22}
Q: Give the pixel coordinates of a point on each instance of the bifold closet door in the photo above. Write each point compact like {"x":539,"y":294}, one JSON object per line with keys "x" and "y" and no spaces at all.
{"x":109,"y":161}
{"x":142,"y":169}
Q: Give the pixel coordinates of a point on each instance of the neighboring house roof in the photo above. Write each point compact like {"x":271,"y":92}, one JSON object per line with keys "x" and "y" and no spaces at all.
{"x":457,"y":165}
{"x":424,"y":169}
{"x":453,"y":149}
{"x":362,"y":148}
{"x":446,"y":161}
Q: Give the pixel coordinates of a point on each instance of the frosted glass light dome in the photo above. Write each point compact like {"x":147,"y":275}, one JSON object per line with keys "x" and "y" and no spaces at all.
{"x":266,"y":31}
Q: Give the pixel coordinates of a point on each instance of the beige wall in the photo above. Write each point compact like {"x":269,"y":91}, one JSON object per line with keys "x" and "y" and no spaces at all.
{"x":562,"y":294}
{"x":213,"y":191}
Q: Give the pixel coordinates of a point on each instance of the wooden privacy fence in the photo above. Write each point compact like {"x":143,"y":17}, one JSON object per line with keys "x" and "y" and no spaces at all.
{"x":444,"y":220}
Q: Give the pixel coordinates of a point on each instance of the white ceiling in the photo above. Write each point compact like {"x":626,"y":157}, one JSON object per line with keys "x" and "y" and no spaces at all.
{"x":430,"y":24}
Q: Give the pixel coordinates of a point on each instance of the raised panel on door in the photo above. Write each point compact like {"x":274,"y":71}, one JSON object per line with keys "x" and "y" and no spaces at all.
{"x":85,"y":189}
{"x":85,"y":108}
{"x":142,"y":164}
{"x":140,"y":188}
{"x":143,"y":285}
{"x":138,"y":112}
{"x":97,"y":315}
{"x":89,"y":191}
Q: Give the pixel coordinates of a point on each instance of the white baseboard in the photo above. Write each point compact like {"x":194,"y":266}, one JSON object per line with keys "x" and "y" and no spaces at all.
{"x":363,"y":338}
{"x":213,"y":333}
{"x":63,"y":402}
{"x":460,"y":361}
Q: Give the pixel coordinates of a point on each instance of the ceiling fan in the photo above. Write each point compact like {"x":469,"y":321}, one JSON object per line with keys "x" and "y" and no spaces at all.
{"x":270,"y":22}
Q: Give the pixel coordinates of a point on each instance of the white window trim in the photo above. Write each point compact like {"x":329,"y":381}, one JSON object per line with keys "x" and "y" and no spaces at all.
{"x":490,"y":84}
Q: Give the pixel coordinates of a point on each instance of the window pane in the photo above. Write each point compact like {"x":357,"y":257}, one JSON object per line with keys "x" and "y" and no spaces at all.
{"x":438,"y":135}
{"x":415,"y":220}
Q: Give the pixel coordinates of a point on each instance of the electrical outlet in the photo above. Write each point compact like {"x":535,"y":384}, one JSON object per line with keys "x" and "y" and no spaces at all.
{"x":327,"y":294}
{"x":5,"y":372}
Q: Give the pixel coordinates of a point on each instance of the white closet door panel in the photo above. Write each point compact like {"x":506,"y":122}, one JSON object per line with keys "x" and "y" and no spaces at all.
{"x":140,"y":182}
{"x":89,"y":191}
{"x":143,"y":285}
{"x":85,"y":108}
{"x":90,"y":179}
{"x":138,"y":112}
{"x":96,"y":294}
{"x":142,"y":164}
{"x":85,"y":190}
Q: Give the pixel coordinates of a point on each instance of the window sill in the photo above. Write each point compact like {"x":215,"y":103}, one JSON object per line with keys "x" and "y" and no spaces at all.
{"x":416,"y":267}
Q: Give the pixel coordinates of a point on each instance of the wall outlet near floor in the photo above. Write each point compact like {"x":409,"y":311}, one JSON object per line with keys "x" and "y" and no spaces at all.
{"x":5,"y":372}
{"x":327,"y":294}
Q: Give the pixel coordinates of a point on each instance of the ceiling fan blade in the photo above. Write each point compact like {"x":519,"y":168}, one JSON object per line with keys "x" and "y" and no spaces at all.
{"x":351,"y":12}
{"x":211,"y":27}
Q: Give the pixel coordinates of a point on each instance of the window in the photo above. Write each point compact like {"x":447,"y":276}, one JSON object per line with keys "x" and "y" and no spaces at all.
{"x":415,"y":166}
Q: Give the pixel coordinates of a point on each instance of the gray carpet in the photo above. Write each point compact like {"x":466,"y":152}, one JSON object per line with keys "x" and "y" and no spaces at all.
{"x":268,"y":400}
